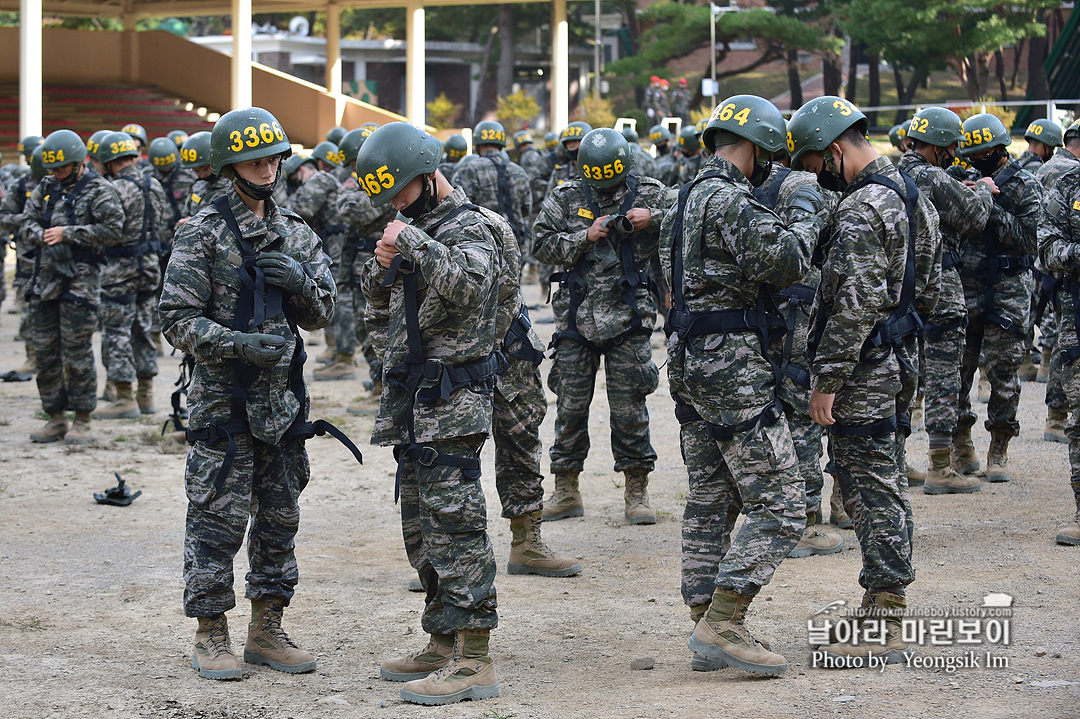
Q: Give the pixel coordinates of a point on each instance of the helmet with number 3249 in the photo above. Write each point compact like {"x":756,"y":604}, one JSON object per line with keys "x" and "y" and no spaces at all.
{"x":243,"y":135}
{"x":392,"y":157}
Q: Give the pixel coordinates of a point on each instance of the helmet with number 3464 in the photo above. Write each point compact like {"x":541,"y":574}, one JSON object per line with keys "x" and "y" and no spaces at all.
{"x":604,"y":158}
{"x":392,"y":157}
{"x":244,"y":135}
{"x":747,"y":116}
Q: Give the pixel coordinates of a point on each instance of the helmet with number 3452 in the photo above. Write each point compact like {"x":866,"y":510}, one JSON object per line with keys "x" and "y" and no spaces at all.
{"x":392,"y":157}
{"x":244,"y":135}
{"x":604,"y":158}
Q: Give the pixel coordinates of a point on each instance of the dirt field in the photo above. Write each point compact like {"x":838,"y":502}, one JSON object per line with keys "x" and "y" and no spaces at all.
{"x":90,"y":596}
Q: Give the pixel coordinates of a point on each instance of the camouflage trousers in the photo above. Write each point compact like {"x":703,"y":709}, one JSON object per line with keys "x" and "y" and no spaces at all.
{"x":943,"y":352}
{"x":873,"y":482}
{"x":1055,"y":390}
{"x":263,"y":485}
{"x":516,"y":430}
{"x":1003,"y":351}
{"x":341,"y":329}
{"x":759,"y":474}
{"x":631,"y":376}
{"x":806,"y":435}
{"x":127,"y":346}
{"x":358,"y":258}
{"x":62,"y":333}
{"x":1070,"y":381}
{"x":444,"y":523}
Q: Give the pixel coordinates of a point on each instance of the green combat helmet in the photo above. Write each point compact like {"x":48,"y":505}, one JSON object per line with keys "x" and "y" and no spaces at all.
{"x":137,"y":132}
{"x":392,"y":157}
{"x":897,"y":134}
{"x":179,"y":137}
{"x":94,"y":142}
{"x":293,"y":164}
{"x":699,"y":128}
{"x":196,"y":151}
{"x":328,"y":152}
{"x":335,"y":134}
{"x":658,"y":134}
{"x":60,"y":148}
{"x":242,"y":135}
{"x":747,"y":116}
{"x":604,"y":158}
{"x":551,"y":139}
{"x":350,"y":145}
{"x":983,"y":131}
{"x":456,"y":147}
{"x":630,"y":134}
{"x":370,"y":127}
{"x":28,"y":143}
{"x":522,"y":137}
{"x":1072,"y":131}
{"x":37,"y":167}
{"x":574,"y":131}
{"x":489,"y":132}
{"x":164,"y":153}
{"x":1047,"y":132}
{"x":936,"y":126}
{"x":815,"y":125}
{"x":116,"y":145}
{"x":688,"y":139}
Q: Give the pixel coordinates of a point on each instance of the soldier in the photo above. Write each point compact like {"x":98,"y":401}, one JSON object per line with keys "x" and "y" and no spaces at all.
{"x":565,"y":169}
{"x":643,"y":162}
{"x":881,"y":266}
{"x":335,"y":134}
{"x":692,"y":159}
{"x":130,"y":277}
{"x":602,"y":230}
{"x":1043,"y":137}
{"x":176,"y":181}
{"x":12,"y":219}
{"x":667,"y":167}
{"x":995,"y":269}
{"x":69,"y":217}
{"x":934,"y":135}
{"x":179,"y":137}
{"x":535,"y":164}
{"x":1059,"y":236}
{"x":195,"y":156}
{"x":680,"y":102}
{"x":1063,"y":160}
{"x":433,"y":299}
{"x":142,"y":144}
{"x":728,"y":255}
{"x":245,"y":276}
{"x":497,"y":184}
{"x":898,"y":137}
{"x":93,"y":144}
{"x":551,"y":142}
{"x":455,"y":149}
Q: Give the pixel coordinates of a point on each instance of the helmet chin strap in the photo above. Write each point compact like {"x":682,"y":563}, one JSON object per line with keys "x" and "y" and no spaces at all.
{"x":255,"y":192}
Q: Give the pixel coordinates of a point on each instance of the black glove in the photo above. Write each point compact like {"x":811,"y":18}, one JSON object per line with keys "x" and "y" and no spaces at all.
{"x":808,"y":198}
{"x":283,"y":271}
{"x":60,"y":257}
{"x":261,"y":350}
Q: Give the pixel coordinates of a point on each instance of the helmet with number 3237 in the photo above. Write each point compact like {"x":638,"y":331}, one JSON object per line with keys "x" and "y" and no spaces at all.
{"x":243,"y":135}
{"x":392,"y":157}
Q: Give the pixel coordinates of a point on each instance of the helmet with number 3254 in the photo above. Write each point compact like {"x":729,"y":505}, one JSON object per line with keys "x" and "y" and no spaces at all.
{"x":392,"y":157}
{"x":604,"y":158}
{"x":62,"y":147}
{"x":243,"y":135}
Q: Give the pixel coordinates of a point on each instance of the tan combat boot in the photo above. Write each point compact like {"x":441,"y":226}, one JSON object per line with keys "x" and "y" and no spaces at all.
{"x":80,"y":429}
{"x":529,"y":554}
{"x":418,"y":665}
{"x":998,"y":458}
{"x":984,"y":386}
{"x":1069,"y":535}
{"x":144,"y":396}
{"x":700,"y":662}
{"x":882,"y":606}
{"x":837,"y":514}
{"x":30,"y":365}
{"x":1043,"y":374}
{"x":721,"y":634}
{"x":1055,"y":425}
{"x":125,"y":406}
{"x":54,"y":429}
{"x":330,"y":352}
{"x":815,"y":540}
{"x":915,"y":477}
{"x":109,"y":393}
{"x":343,"y":367}
{"x":565,"y":501}
{"x":636,"y":497}
{"x":268,"y":644}
{"x":470,"y":674}
{"x":963,"y":452}
{"x":159,"y":345}
{"x":213,"y":657}
{"x":1027,"y":370}
{"x":941,"y":478}
{"x":367,"y":405}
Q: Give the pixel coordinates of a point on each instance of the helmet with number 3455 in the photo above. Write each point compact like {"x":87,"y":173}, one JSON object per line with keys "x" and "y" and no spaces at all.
{"x":244,"y":135}
{"x":392,"y":157}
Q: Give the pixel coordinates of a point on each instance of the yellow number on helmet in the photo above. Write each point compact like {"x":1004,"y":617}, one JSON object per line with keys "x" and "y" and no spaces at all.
{"x":726,"y":113}
{"x":237,"y":141}
{"x":619,"y":166}
{"x":266,"y":132}
{"x":385,"y":178}
{"x":743,"y":116}
{"x":252,"y":136}
{"x":790,"y":143}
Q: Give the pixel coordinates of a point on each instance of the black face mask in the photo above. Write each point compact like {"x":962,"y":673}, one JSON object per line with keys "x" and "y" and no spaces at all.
{"x":72,"y":177}
{"x":762,"y":168}
{"x":572,"y":154}
{"x":830,"y":179}
{"x":423,"y":204}
{"x":255,"y":192}
{"x":986,"y":165}
{"x":946,"y":159}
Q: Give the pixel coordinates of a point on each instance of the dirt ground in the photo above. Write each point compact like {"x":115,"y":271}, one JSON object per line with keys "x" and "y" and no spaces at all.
{"x":90,"y":596}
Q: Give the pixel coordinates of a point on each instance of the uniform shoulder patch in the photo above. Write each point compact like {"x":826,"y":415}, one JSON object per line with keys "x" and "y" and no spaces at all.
{"x":196,"y":199}
{"x":586,"y":213}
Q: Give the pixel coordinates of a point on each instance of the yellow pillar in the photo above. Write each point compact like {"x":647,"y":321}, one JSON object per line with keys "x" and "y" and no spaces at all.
{"x":30,"y":61}
{"x":241,"y":59}
{"x":333,"y":48}
{"x":560,"y":66}
{"x":415,"y":59}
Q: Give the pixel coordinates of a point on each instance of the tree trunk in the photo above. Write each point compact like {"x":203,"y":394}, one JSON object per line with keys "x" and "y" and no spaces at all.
{"x":831,"y":74}
{"x":999,"y":70}
{"x":794,"y":81}
{"x":874,"y":81}
{"x":504,"y":74}
{"x":1038,"y":85}
{"x":484,"y":82}
{"x":853,"y":73}
{"x":905,"y":94}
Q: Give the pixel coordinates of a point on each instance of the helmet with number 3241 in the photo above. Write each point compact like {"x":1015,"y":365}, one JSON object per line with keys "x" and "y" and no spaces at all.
{"x":243,"y":135}
{"x":392,"y":157}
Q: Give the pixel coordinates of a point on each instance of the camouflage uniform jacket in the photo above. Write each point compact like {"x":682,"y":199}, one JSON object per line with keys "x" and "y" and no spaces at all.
{"x":199,"y":301}
{"x":560,"y":239}
{"x":860,"y":286}
{"x":98,"y":222}
{"x":316,"y":202}
{"x":342,"y":173}
{"x":1030,"y":161}
{"x":11,"y":173}
{"x":690,"y":167}
{"x":537,"y":165}
{"x":667,"y":169}
{"x":1059,"y":246}
{"x":447,"y":169}
{"x":13,"y":208}
{"x":204,"y":192}
{"x":124,"y":270}
{"x":560,"y":175}
{"x":733,"y":249}
{"x":643,"y":162}
{"x":962,"y":211}
{"x":364,"y":222}
{"x":480,"y":181}
{"x":680,"y":104}
{"x":1060,"y":162}
{"x":458,"y":303}
{"x":177,"y":184}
